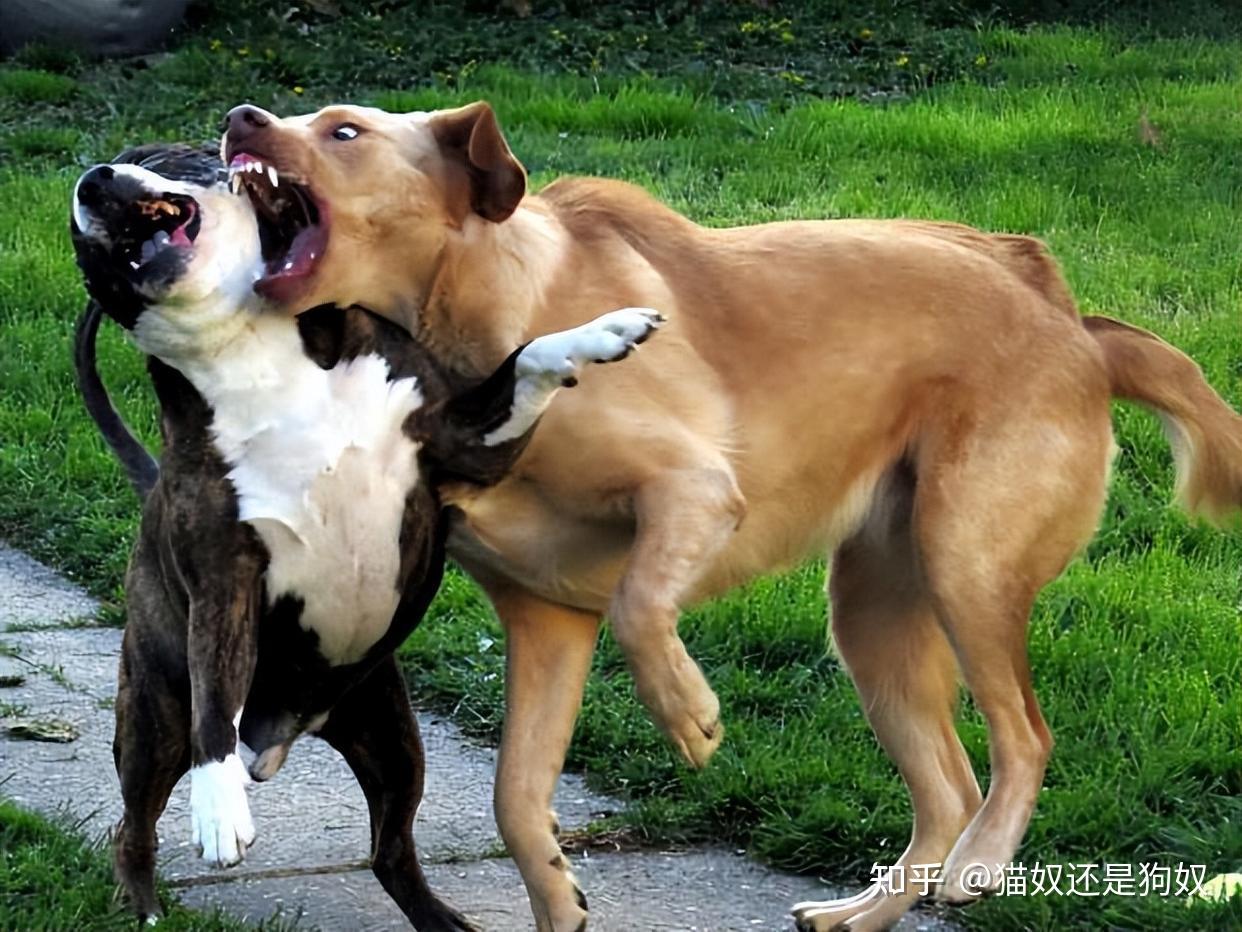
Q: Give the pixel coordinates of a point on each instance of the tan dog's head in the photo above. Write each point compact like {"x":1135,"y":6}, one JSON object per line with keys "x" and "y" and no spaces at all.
{"x":355,"y":204}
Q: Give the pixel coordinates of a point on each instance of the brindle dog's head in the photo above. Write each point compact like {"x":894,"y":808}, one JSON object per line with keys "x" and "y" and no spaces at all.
{"x":354,"y":200}
{"x":158,"y":227}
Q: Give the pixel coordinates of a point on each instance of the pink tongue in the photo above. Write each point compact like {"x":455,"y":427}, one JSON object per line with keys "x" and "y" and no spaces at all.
{"x":303,"y":253}
{"x":179,"y":237}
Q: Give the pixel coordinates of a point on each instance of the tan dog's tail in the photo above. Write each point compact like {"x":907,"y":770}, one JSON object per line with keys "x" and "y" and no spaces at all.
{"x":1205,"y":433}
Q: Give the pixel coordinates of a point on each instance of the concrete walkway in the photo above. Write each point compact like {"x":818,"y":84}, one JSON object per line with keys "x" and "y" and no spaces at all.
{"x":312,"y":821}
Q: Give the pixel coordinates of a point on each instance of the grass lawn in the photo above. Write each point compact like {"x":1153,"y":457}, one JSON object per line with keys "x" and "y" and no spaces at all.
{"x":51,"y":878}
{"x":1137,"y":650}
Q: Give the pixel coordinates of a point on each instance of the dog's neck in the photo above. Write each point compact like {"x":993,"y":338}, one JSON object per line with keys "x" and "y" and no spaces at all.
{"x":231,"y":355}
{"x":482,"y":301}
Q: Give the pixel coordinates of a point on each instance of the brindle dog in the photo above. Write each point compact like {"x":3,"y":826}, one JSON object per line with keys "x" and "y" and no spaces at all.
{"x":291,"y":534}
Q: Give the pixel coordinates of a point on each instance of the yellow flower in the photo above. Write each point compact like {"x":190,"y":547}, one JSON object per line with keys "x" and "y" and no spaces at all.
{"x":215,"y":45}
{"x":865,"y":34}
{"x":298,"y":89}
{"x":787,"y":36}
{"x":981,"y":60}
{"x":750,"y":26}
{"x":902,"y":61}
{"x":244,"y":51}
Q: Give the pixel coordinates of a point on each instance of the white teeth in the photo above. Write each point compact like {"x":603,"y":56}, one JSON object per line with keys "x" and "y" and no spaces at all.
{"x":134,"y":266}
{"x":235,"y":183}
{"x":271,"y":176}
{"x":152,"y":246}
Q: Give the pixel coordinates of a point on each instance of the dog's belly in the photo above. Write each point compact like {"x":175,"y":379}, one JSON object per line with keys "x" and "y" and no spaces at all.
{"x":325,"y":486}
{"x":512,"y":532}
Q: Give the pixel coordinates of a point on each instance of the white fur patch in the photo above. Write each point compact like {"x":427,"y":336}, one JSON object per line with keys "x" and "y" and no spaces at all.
{"x":219,"y":813}
{"x":548,"y":362}
{"x":322,"y":469}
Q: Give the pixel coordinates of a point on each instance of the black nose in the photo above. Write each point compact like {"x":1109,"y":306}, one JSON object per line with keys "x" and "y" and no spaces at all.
{"x":94,"y":184}
{"x":245,"y":119}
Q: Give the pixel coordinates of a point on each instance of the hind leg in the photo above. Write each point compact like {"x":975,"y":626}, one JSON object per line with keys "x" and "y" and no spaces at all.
{"x":376,"y":732}
{"x":993,"y":528}
{"x":903,"y":667}
{"x":151,"y":749}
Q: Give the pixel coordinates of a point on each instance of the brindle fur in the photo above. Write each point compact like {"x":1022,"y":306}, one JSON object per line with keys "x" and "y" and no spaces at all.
{"x":196,"y":603}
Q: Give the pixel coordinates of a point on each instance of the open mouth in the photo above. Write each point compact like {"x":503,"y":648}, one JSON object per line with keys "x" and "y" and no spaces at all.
{"x":150,"y":226}
{"x":293,"y":227}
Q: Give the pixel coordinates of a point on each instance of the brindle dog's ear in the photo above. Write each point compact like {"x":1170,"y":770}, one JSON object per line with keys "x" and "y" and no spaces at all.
{"x":471,"y":136}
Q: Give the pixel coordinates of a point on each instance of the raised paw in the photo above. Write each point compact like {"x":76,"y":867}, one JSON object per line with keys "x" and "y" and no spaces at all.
{"x":697,"y":736}
{"x":630,"y":326}
{"x":219,"y":813}
{"x":682,"y":704}
{"x":608,"y":338}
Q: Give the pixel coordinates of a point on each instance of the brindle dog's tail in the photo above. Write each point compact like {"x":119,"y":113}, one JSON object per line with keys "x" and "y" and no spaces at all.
{"x":140,"y":465}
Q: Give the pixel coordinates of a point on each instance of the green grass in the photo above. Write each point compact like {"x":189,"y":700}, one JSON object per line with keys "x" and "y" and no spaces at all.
{"x":36,"y":87}
{"x":52,"y":879}
{"x":1137,"y":650}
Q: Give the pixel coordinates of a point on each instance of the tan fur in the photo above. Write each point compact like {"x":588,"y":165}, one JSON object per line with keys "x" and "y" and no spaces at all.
{"x":920,"y":398}
{"x":1205,"y":433}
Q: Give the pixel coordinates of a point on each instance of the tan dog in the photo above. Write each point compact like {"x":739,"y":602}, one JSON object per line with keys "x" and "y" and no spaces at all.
{"x":920,"y":400}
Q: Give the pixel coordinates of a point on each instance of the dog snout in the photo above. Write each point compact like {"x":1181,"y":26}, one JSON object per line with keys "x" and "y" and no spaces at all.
{"x":243,"y":122}
{"x":95,"y":200}
{"x":93,"y":186}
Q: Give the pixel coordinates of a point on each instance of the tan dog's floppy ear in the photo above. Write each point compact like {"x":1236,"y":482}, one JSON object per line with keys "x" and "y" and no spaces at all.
{"x":471,"y":136}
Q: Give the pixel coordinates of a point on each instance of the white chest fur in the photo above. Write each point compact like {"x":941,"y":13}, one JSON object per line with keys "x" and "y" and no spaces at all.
{"x":322,"y":469}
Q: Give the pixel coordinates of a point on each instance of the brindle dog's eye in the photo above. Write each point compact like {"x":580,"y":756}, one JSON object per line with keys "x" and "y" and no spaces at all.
{"x":346,"y":132}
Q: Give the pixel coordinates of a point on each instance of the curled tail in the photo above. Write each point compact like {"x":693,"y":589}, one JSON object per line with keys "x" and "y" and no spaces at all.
{"x":1205,"y":433}
{"x":140,"y":465}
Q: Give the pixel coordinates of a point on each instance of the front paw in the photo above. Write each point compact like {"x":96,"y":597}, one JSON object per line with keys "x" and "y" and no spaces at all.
{"x":219,"y":813}
{"x":441,"y":917}
{"x":683,"y":705}
{"x":608,"y":338}
{"x":618,"y":332}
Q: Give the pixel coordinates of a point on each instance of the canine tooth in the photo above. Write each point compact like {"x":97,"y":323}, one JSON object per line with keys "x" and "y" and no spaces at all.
{"x":271,"y":176}
{"x":235,"y":183}
{"x":134,"y":266}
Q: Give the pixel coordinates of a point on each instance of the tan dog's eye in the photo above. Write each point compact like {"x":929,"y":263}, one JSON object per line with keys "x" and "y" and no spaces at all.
{"x":346,"y":132}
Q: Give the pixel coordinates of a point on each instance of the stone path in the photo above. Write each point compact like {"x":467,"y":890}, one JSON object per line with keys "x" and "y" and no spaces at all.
{"x":312,"y":816}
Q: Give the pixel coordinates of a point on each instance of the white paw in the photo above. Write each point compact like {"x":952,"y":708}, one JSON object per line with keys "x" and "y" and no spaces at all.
{"x":219,"y":812}
{"x":605,"y":339}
